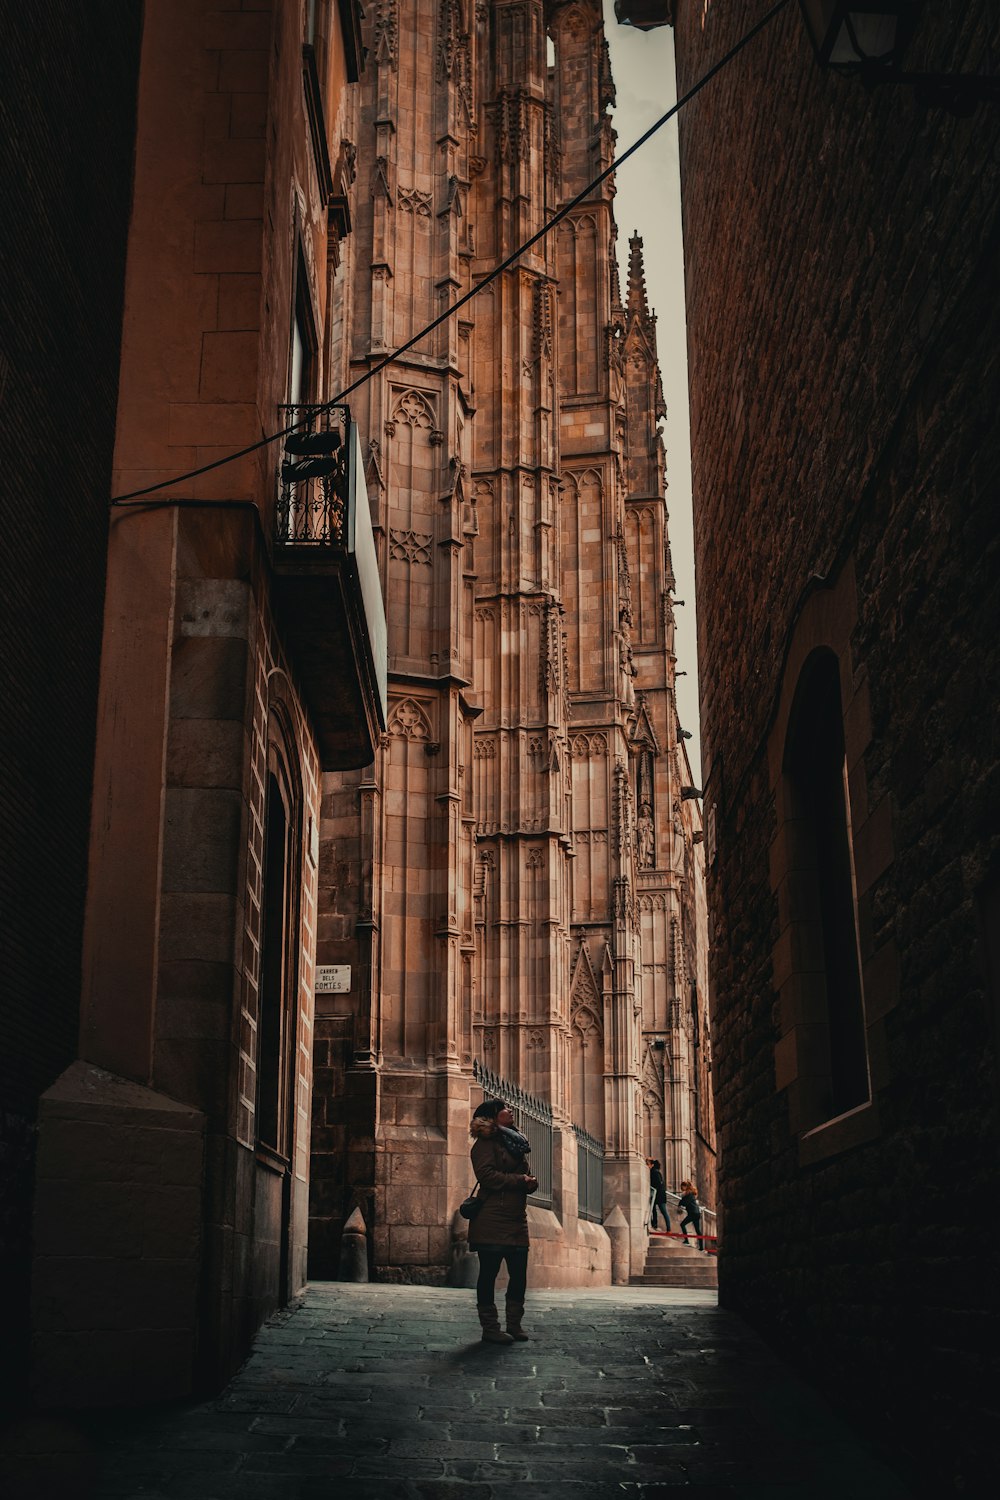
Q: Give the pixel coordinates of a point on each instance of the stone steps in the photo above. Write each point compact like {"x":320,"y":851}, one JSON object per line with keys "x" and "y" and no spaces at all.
{"x":672,"y":1263}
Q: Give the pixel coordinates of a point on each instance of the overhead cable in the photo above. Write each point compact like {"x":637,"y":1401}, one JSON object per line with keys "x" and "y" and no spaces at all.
{"x":504,"y":265}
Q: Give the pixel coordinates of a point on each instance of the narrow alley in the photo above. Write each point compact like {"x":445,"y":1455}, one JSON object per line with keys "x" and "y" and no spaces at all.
{"x":386,"y":1391}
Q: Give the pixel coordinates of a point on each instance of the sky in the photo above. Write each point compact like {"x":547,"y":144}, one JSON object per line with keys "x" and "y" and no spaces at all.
{"x":648,"y":200}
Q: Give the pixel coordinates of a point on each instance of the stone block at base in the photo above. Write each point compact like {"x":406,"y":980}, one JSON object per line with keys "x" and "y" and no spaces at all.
{"x":561,"y":1259}
{"x":118,"y":1198}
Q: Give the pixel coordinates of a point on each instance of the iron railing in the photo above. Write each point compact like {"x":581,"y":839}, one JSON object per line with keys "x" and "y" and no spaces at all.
{"x":312,"y":500}
{"x":589,"y":1176}
{"x":709,"y":1237}
{"x":533,"y":1118}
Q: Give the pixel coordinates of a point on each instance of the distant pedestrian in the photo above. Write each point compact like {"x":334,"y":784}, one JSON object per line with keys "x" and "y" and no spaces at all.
{"x":692,"y":1211}
{"x":657,"y":1194}
{"x":499,"y":1231}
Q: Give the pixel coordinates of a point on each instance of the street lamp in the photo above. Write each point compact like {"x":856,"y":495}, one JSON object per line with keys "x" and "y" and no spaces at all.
{"x":867,"y":39}
{"x":854,"y":35}
{"x":644,"y":15}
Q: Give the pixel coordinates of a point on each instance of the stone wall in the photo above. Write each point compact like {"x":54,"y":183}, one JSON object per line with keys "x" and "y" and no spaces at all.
{"x":200,"y":922}
{"x":841,"y":252}
{"x":60,"y":328}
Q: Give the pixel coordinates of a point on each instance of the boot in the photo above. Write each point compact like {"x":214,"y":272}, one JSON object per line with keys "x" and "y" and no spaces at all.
{"x":490,"y":1321}
{"x":515,"y":1312}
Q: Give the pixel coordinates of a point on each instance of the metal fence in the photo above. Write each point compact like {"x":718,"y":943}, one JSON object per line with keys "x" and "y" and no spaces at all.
{"x":533,"y":1118}
{"x":589,"y":1176}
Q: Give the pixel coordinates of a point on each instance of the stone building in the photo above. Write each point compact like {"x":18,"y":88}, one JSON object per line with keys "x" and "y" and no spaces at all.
{"x":842,"y":247}
{"x":514,"y":881}
{"x":243,"y":643}
{"x":60,"y":333}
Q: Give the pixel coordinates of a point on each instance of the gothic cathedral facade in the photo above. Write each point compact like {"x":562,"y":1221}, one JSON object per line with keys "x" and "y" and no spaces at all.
{"x":517,"y":879}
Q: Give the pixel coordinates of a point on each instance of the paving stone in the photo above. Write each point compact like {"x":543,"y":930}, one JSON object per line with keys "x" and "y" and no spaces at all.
{"x":585,"y":1412}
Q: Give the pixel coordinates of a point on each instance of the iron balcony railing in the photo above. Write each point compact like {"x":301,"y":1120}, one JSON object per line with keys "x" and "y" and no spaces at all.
{"x":589,"y":1176}
{"x":312,"y":508}
{"x":533,"y":1118}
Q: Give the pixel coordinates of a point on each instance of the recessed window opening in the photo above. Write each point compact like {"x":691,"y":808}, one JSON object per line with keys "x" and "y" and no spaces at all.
{"x":824,"y":897}
{"x":303,"y":352}
{"x":272,"y":1020}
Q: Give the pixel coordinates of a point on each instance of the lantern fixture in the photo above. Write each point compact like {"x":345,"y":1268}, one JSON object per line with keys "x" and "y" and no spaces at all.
{"x":868,"y":39}
{"x":856,"y":35}
{"x":644,"y":15}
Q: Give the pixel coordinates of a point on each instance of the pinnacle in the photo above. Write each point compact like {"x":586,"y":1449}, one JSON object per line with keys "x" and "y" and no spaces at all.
{"x":636,"y":277}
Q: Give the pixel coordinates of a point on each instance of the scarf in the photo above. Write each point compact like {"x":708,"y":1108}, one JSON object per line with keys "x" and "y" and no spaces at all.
{"x":513,"y":1141}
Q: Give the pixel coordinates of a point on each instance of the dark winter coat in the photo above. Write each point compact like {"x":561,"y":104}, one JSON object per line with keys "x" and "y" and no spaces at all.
{"x":503,"y":1218}
{"x":692,"y":1209}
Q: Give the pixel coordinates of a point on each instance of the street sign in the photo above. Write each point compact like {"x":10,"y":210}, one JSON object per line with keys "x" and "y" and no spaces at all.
{"x":333,"y":979}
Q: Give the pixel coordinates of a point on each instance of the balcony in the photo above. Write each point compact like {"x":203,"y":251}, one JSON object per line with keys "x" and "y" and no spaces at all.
{"x":328,"y":595}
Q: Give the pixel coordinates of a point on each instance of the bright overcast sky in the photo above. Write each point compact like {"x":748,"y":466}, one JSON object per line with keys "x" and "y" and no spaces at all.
{"x":648,"y":200}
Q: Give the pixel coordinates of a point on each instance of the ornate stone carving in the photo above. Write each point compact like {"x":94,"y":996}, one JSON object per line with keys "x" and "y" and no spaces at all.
{"x":373,"y":466}
{"x":410,"y":546}
{"x":586,"y":1025}
{"x":645,"y":838}
{"x":588,"y":746}
{"x":381,"y":186}
{"x":543,"y":320}
{"x":408,"y":721}
{"x":415,"y":409}
{"x":513,"y":126}
{"x":384,"y":33}
{"x":413,"y":201}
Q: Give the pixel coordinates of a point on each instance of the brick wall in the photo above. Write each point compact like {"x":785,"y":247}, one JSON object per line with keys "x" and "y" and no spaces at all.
{"x":841,"y":250}
{"x":66,"y":138}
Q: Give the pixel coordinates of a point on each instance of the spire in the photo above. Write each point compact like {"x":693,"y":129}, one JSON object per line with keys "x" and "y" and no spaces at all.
{"x":636,"y":278}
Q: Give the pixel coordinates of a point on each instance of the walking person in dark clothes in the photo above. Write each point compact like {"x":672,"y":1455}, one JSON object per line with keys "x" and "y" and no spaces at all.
{"x":692,"y":1211}
{"x":499,"y":1231}
{"x":657,"y":1193}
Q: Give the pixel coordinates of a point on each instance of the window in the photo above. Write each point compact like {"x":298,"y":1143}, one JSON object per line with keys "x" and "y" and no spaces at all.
{"x":274,"y":963}
{"x":277,"y":1009}
{"x":822,"y":897}
{"x":301,"y":375}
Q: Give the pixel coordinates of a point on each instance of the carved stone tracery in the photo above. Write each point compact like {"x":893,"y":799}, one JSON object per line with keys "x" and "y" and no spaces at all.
{"x":410,"y":546}
{"x":408,"y":721}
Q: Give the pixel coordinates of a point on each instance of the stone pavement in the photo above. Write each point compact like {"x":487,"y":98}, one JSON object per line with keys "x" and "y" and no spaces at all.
{"x":386,"y":1391}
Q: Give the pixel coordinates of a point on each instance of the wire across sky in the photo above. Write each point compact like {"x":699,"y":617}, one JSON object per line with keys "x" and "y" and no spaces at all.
{"x":136,"y":496}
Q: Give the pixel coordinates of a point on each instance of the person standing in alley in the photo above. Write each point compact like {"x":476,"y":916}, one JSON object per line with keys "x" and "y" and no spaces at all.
{"x":692,"y":1211}
{"x":657,"y":1193}
{"x":499,"y":1231}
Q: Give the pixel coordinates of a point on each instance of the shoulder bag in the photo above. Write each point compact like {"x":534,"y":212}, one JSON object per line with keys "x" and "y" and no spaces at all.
{"x":471,"y":1205}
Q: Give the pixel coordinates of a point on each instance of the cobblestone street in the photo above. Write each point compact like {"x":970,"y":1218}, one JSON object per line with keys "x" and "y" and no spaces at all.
{"x":386,"y":1391}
